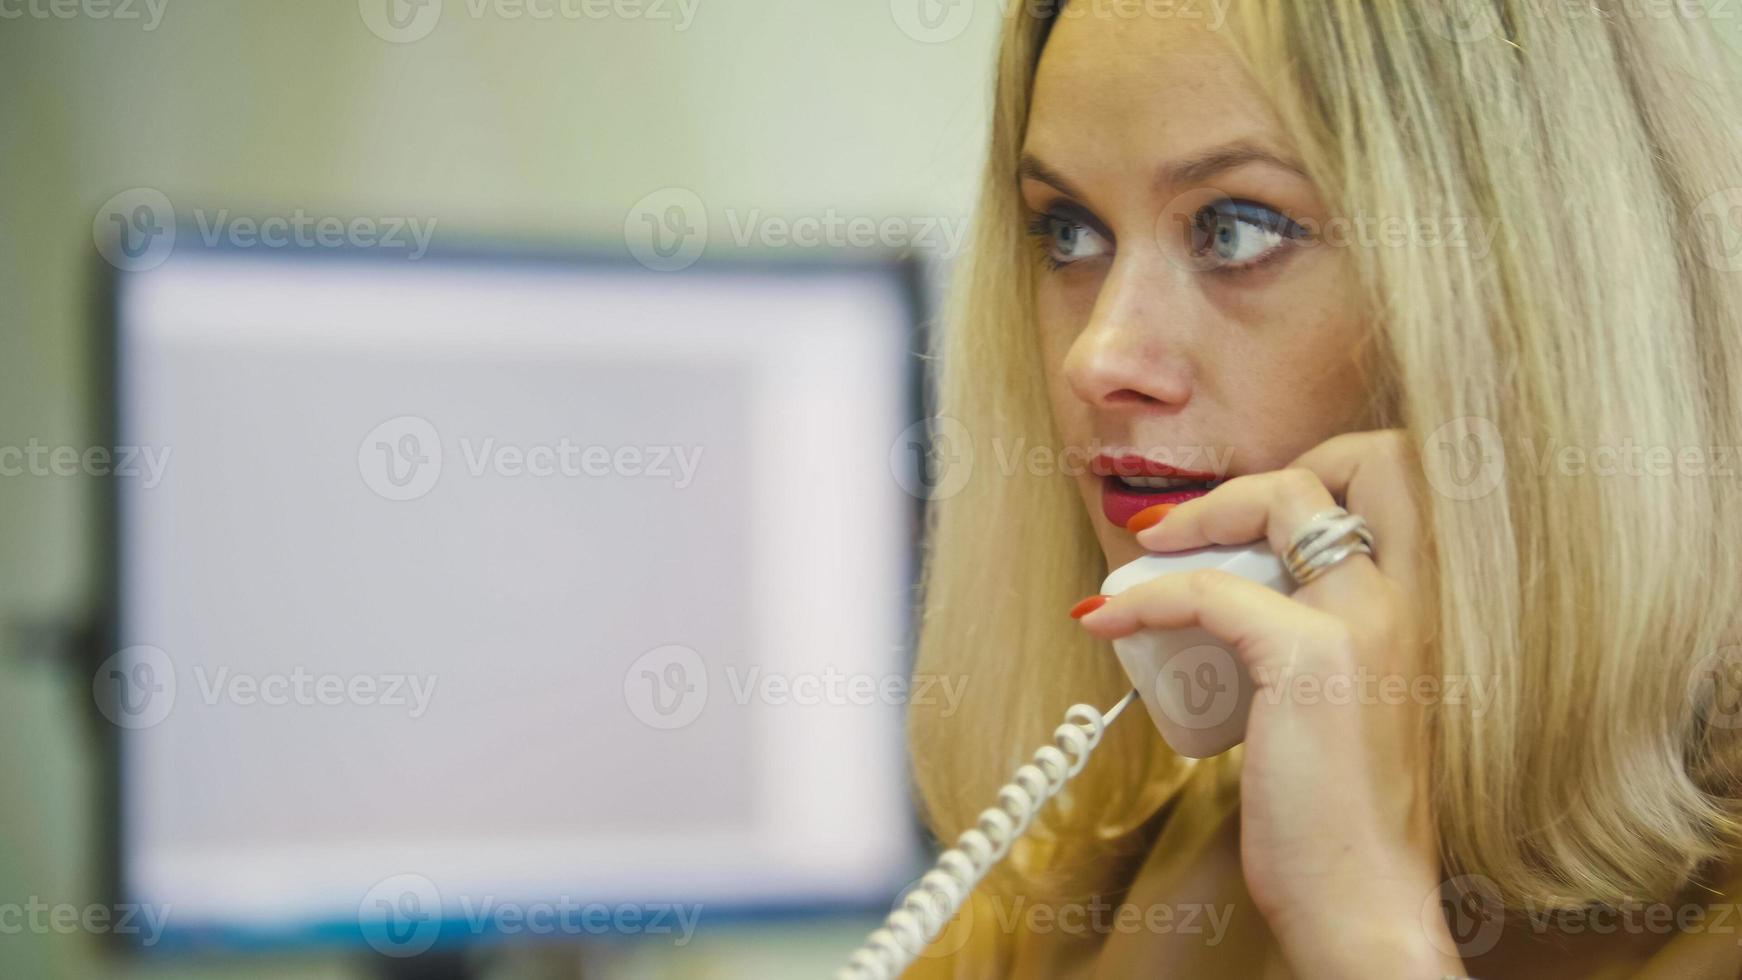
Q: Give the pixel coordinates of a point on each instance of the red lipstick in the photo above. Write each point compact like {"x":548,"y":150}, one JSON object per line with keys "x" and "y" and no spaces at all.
{"x":1121,"y":501}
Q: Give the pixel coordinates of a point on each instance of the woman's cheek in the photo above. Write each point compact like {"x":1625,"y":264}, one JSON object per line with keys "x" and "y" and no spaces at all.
{"x":1300,"y":336}
{"x":1060,"y":316}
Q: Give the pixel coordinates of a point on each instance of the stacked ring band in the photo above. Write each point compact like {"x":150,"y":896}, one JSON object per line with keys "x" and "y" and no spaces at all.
{"x":1324,"y":541}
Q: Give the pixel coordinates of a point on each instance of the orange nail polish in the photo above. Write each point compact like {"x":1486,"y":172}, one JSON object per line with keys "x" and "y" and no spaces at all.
{"x":1088,"y":606}
{"x":1147,"y":518}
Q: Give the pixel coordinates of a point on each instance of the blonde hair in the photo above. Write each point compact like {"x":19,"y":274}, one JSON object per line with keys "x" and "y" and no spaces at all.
{"x":1602,"y":316}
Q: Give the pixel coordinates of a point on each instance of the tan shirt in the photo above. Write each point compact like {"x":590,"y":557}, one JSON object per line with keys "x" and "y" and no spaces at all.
{"x":1187,"y":915}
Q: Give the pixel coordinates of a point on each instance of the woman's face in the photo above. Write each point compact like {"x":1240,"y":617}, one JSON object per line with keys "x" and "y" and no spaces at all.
{"x":1187,"y":317}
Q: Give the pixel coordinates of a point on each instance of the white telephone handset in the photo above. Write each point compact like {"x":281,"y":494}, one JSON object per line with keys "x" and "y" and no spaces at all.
{"x":1195,"y":691}
{"x":1193,"y":685}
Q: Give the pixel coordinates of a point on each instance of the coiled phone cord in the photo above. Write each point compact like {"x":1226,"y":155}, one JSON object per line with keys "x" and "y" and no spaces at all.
{"x":939,"y":894}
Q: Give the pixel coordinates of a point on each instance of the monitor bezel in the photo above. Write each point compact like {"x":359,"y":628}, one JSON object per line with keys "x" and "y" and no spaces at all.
{"x":910,"y":274}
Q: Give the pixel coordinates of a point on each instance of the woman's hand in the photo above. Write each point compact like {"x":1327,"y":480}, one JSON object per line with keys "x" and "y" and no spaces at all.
{"x":1337,"y":836}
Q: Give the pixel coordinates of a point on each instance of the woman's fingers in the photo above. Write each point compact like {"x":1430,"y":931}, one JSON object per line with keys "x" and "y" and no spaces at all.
{"x":1262,"y":627}
{"x":1263,"y":506}
{"x":1365,"y":472}
{"x":1334,"y":778}
{"x":1369,"y":471}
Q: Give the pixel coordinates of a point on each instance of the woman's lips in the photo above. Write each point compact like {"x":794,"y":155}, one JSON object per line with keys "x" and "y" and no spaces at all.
{"x":1120,"y":503}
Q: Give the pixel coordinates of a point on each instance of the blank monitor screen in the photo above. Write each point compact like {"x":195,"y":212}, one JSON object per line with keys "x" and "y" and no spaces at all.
{"x":515,"y":580}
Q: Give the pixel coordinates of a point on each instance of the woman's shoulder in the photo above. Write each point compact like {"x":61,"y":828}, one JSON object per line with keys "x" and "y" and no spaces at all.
{"x":1195,"y":853}
{"x":1697,"y":935}
{"x":1197,"y":920}
{"x":1701,"y":930}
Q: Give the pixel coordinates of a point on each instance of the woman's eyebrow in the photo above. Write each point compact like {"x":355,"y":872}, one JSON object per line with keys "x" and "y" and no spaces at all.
{"x":1030,"y":168}
{"x":1195,"y":169}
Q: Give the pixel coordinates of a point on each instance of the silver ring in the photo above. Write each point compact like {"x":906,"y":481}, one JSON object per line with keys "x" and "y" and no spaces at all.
{"x":1324,"y":541}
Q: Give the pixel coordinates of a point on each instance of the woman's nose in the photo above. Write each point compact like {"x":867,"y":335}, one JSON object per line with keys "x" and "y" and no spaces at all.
{"x":1136,"y":349}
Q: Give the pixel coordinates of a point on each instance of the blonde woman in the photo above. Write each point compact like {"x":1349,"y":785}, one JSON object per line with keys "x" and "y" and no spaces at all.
{"x":1462,"y":269}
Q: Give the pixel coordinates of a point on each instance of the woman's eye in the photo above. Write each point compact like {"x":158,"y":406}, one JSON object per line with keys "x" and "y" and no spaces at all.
{"x":1066,"y":241}
{"x":1240,"y":234}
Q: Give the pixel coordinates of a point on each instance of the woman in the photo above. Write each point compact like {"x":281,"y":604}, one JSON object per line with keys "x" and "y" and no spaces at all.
{"x":1461,"y":269}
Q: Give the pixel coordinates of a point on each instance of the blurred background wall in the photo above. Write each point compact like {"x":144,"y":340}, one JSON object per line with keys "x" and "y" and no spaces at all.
{"x":492,"y":123}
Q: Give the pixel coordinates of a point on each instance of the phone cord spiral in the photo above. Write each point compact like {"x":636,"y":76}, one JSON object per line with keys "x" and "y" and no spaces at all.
{"x":939,"y":894}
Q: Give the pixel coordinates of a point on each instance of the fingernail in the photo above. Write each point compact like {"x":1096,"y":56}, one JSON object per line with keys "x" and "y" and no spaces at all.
{"x":1147,"y":518}
{"x":1088,"y":606}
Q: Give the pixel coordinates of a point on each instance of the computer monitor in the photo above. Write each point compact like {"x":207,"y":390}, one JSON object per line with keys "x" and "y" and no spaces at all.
{"x":458,"y":595}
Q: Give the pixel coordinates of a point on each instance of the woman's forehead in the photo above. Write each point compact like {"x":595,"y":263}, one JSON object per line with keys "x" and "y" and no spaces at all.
{"x":1123,"y":89}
